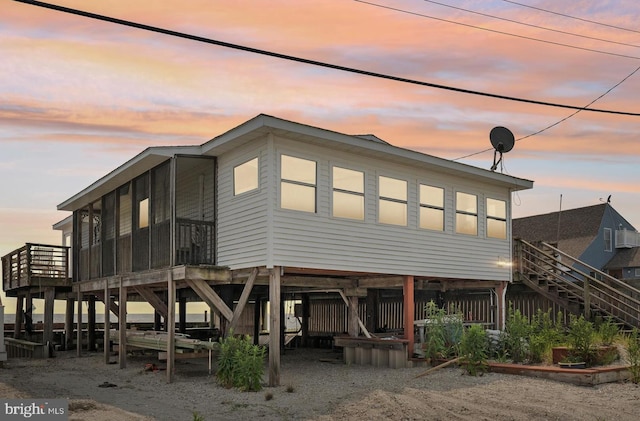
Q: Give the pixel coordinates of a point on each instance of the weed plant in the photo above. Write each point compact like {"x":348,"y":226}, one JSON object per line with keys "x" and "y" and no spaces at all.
{"x":633,"y":350}
{"x":240,"y":363}
{"x":473,"y":349}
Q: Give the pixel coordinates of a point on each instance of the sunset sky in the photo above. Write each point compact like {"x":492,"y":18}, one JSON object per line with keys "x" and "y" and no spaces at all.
{"x":79,"y":97}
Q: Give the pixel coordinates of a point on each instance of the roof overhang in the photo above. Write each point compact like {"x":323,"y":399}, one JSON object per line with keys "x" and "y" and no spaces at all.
{"x":141,"y":163}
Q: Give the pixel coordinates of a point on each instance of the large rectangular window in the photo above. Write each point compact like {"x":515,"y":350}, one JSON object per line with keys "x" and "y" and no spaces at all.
{"x":431,"y":207}
{"x":496,"y":218}
{"x":245,"y":177}
{"x":466,"y":213}
{"x":392,"y":203}
{"x":297,"y":184}
{"x":348,"y":193}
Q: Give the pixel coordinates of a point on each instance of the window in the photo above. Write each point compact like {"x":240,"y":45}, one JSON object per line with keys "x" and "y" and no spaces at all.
{"x":636,"y":272}
{"x":297,"y":184}
{"x":245,"y":177}
{"x":392,"y":206}
{"x":348,"y":193}
{"x":431,"y":207}
{"x":608,"y":237}
{"x":143,"y":213}
{"x":496,"y":218}
{"x":466,"y":213}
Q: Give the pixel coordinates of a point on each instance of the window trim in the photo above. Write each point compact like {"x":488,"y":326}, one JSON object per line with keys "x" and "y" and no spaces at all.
{"x":608,"y":247}
{"x":404,"y":202}
{"x":467,"y":213}
{"x":428,"y":206}
{"x":257,"y":185}
{"x":300,"y":183}
{"x":335,"y":189}
{"x":496,"y":218}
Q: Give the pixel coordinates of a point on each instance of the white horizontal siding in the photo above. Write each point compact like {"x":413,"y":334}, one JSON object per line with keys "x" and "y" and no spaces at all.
{"x":242,"y":220}
{"x":321,"y":241}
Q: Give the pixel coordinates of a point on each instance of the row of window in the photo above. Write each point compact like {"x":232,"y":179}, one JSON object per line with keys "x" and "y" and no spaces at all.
{"x":298,"y":186}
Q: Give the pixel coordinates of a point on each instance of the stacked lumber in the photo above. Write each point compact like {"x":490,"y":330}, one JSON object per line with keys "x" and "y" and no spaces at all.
{"x":158,"y":341}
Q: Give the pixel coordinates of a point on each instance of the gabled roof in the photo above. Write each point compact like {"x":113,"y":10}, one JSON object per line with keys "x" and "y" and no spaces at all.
{"x":262,"y":125}
{"x":573,"y":229}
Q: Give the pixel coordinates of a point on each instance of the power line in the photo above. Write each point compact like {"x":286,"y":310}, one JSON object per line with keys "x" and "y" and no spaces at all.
{"x":572,"y":17}
{"x":561,"y":120}
{"x":531,"y":25}
{"x":560,"y":44}
{"x":309,"y":61}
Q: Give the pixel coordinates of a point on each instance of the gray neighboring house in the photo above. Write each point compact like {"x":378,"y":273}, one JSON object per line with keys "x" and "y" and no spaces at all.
{"x":596,"y":235}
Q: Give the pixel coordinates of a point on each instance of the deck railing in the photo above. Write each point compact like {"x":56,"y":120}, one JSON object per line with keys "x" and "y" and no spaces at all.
{"x":34,"y":263}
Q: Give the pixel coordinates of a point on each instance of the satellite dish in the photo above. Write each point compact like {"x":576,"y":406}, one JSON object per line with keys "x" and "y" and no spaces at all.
{"x":502,"y":140}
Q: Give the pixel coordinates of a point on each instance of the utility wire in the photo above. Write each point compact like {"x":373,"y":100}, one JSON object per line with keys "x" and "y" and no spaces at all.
{"x":561,"y":120}
{"x":572,"y":17}
{"x":311,"y":62}
{"x":496,"y":31}
{"x":531,"y":25}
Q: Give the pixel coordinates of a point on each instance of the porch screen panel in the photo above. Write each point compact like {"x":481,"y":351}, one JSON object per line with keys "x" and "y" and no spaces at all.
{"x":160,"y":216}
{"x":95,"y":237}
{"x":82,"y":243}
{"x":195,"y":210}
{"x":108,"y":234}
{"x":140,"y":233}
{"x":125,"y":221}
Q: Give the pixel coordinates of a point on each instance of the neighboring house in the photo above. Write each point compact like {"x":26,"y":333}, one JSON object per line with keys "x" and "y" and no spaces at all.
{"x":596,"y":235}
{"x":273,"y":207}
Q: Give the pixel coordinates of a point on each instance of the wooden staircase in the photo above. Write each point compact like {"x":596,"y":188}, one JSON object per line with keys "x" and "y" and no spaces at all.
{"x":574,"y":285}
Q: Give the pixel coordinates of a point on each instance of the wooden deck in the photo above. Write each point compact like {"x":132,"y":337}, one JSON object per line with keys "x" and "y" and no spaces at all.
{"x":35,"y":265}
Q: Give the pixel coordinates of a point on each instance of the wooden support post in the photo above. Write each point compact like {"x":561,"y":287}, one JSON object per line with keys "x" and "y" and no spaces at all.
{"x":274,"y":327}
{"x":17,"y":325}
{"x":587,"y":299}
{"x":91,"y":322}
{"x":226,"y":294}
{"x":28,"y":309}
{"x":409,"y":312}
{"x":106,"y":336}
{"x":49,"y":301}
{"x":244,"y":297}
{"x":122,"y":326}
{"x":182,"y":313}
{"x":256,"y":321}
{"x":501,"y":308}
{"x":353,"y":328}
{"x":306,"y":312}
{"x":68,"y":323}
{"x":373,"y":298}
{"x":171,"y":327}
{"x":157,"y":321}
{"x":79,"y":325}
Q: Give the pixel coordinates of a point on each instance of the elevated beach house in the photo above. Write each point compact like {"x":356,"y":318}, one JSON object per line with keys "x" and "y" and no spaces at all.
{"x":273,"y":209}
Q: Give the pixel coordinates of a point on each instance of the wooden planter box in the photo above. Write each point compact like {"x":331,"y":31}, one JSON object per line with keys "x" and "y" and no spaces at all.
{"x":559,"y":353}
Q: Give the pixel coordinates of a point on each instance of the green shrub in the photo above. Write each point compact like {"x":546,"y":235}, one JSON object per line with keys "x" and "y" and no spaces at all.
{"x":607,"y":330}
{"x":442,"y":333}
{"x":517,"y":331}
{"x":474,"y":349}
{"x":633,"y":349}
{"x":240,"y":363}
{"x":581,"y":337}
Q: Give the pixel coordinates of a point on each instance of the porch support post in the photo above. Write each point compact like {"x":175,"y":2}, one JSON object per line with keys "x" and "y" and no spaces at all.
{"x":68,"y":323}
{"x":106,"y":338}
{"x":17,"y":325}
{"x":182,"y":313}
{"x":409,"y":311}
{"x":306,"y":312}
{"x":353,"y":327}
{"x":91,"y":322}
{"x":171,"y":326}
{"x":256,"y":321}
{"x":47,"y":328}
{"x":501,"y":316}
{"x":79,"y":325}
{"x":371,"y":321}
{"x":122,"y":326}
{"x":274,"y":326}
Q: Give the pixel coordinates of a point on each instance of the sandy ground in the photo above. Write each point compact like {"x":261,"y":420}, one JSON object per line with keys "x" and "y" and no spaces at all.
{"x":323,"y":388}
